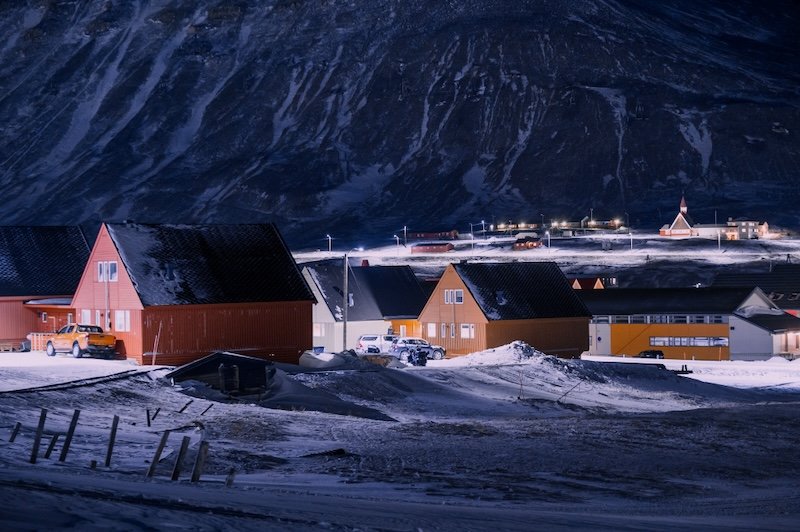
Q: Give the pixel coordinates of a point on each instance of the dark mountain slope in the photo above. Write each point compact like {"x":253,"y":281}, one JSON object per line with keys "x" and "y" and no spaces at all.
{"x":364,"y":116}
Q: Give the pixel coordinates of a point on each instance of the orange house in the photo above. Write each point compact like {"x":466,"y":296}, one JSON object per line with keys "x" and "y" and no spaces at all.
{"x":477,"y":306}
{"x":175,"y":293}
{"x":39,"y":270}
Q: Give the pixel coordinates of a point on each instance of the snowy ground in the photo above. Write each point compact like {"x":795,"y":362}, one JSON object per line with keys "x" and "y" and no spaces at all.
{"x":495,"y":440}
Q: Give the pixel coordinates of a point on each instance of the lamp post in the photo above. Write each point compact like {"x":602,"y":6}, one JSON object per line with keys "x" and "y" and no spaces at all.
{"x":542,"y":215}
{"x":631,"y":236}
{"x":483,"y":228}
{"x":329,"y":242}
{"x":547,"y":234}
{"x":397,"y":241}
{"x":591,"y":215}
{"x":405,"y":235}
{"x":346,"y":298}
{"x":719,"y":240}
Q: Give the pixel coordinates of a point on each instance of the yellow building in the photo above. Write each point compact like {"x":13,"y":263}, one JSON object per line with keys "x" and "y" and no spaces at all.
{"x":739,"y":323}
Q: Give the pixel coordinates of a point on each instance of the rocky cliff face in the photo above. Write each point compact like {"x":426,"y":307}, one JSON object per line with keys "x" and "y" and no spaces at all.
{"x":334,"y":116}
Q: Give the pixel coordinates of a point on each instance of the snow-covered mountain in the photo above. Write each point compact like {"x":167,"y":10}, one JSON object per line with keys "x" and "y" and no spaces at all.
{"x":337,"y":116}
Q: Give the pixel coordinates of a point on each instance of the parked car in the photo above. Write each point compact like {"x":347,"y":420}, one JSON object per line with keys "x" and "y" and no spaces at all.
{"x":404,"y":345}
{"x":374,"y":343}
{"x":651,"y":353}
{"x":81,"y":339}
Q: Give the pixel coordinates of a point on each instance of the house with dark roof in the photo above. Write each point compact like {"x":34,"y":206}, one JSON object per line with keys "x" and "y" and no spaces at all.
{"x":175,"y":293}
{"x":714,"y":323}
{"x":781,"y":284}
{"x":380,"y":300}
{"x":39,"y":271}
{"x":477,"y":306}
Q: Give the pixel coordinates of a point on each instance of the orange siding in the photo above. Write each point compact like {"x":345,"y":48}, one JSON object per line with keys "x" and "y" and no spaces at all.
{"x":563,"y":337}
{"x":278,"y":331}
{"x":452,"y":316}
{"x":632,"y":338}
{"x":16,"y":321}
{"x":413,"y":327}
{"x":95,"y":295}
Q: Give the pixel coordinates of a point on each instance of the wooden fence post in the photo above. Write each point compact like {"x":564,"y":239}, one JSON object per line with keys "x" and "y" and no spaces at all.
{"x":157,"y":456}
{"x":230,"y":477}
{"x":111,"y":440}
{"x":155,"y":413}
{"x":70,"y":432}
{"x":185,"y":406}
{"x":148,"y":417}
{"x":52,"y":444}
{"x":15,"y":432}
{"x":38,"y":439}
{"x":176,"y":471}
{"x":207,"y":409}
{"x":200,"y":461}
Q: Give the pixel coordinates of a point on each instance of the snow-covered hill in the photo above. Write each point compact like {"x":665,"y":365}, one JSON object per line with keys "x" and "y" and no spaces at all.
{"x":388,"y":113}
{"x":496,"y":440}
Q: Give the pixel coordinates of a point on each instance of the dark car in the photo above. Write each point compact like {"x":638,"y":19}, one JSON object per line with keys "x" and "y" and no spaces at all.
{"x":403,"y":346}
{"x":651,"y":353}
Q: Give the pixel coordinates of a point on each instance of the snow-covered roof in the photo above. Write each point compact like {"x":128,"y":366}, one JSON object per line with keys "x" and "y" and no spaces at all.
{"x":521,"y":290}
{"x":41,"y":261}
{"x":206,"y":264}
{"x":782,"y":284}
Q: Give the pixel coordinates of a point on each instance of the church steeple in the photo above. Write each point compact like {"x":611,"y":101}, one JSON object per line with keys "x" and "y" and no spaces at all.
{"x":684,"y":208}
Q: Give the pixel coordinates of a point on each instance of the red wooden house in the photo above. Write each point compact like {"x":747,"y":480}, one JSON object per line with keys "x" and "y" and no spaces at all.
{"x":175,"y":293}
{"x":39,"y":270}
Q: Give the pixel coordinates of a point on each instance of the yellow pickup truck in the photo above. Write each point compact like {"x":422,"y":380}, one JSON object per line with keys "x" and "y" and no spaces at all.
{"x":80,"y":340}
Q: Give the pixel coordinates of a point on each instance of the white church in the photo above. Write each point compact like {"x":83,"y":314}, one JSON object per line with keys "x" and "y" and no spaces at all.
{"x":739,"y":229}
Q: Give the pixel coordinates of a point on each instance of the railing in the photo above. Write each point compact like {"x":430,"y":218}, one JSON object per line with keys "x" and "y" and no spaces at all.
{"x":39,"y":340}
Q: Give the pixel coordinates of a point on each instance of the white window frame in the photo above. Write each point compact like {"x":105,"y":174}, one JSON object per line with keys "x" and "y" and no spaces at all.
{"x":44,"y":317}
{"x":431,"y":330}
{"x":452,"y":330}
{"x":122,"y":320}
{"x":458,"y":297}
{"x":444,"y":330}
{"x":448,"y":297}
{"x":107,"y":270}
{"x":86,"y":315}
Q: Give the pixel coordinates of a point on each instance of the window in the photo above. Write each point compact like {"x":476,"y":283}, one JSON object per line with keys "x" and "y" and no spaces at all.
{"x":453,"y":297}
{"x":452,"y":330}
{"x":44,"y":317}
{"x":97,"y":320}
{"x":467,"y":330}
{"x":122,"y":320}
{"x":69,"y":317}
{"x":107,"y":271}
{"x":86,"y":315}
{"x":318,"y":329}
{"x":688,"y":341}
{"x":619,"y":319}
{"x":403,"y":330}
{"x":697,"y":319}
{"x":444,"y":330}
{"x":431,"y":330}
{"x":637,"y":319}
{"x":601,"y":319}
{"x":680,"y":319}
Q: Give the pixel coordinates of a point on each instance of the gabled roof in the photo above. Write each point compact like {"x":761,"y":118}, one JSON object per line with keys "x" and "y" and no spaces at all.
{"x":41,"y":261}
{"x":626,"y":301}
{"x":207,"y":264}
{"x":681,"y":221}
{"x":782,"y":284}
{"x":775,"y":323}
{"x":395,"y":289}
{"x":378,"y":292}
{"x":328,"y":275}
{"x":521,"y":290}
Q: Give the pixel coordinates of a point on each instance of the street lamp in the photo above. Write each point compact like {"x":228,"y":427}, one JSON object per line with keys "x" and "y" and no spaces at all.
{"x":547,"y":234}
{"x":329,"y":242}
{"x":631,"y":235}
{"x":405,"y":235}
{"x":397,"y":241}
{"x":483,"y":228}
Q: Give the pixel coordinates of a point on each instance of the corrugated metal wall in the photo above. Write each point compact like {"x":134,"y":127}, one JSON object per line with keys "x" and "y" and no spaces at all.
{"x":278,"y":331}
